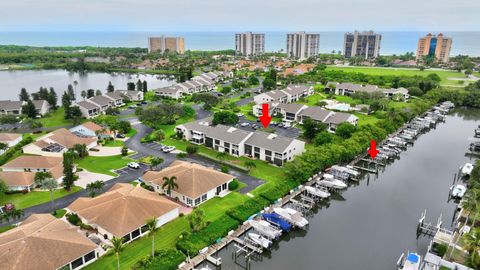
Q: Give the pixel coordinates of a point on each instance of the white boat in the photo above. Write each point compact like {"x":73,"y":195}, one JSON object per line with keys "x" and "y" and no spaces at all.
{"x":292,"y":216}
{"x":411,"y":262}
{"x":458,"y":191}
{"x":330,"y":182}
{"x":260,"y":240}
{"x":467,"y":169}
{"x":317,"y":192}
{"x":265,"y":229}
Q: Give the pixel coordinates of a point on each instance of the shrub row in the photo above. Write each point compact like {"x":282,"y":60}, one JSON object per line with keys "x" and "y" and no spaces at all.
{"x":165,"y":259}
{"x":250,"y":207}
{"x":191,"y":244}
{"x":275,"y":192}
{"x":12,"y":151}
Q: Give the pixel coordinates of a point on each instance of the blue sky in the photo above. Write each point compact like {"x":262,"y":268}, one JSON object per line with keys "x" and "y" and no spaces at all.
{"x":227,"y":15}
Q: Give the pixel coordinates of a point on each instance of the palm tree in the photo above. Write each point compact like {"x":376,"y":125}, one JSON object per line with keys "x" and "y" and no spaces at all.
{"x":155,"y":162}
{"x":94,"y":187}
{"x":151,"y":224}
{"x":42,"y":176}
{"x":250,"y":164}
{"x":75,"y":83}
{"x":50,"y":184}
{"x":222,"y":156}
{"x":475,"y":197}
{"x":117,"y":245}
{"x":469,"y":204}
{"x":472,"y":245}
{"x":169,"y":183}
{"x":83,"y":94}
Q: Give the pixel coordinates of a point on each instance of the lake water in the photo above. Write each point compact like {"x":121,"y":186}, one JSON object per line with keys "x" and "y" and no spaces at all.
{"x":368,"y":226}
{"x":13,"y":81}
{"x":392,"y":42}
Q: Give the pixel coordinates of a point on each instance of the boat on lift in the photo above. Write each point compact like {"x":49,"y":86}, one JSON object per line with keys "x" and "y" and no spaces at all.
{"x":266,"y":229}
{"x":277,"y":221}
{"x":318,"y":192}
{"x":458,"y":191}
{"x":330,"y":182}
{"x":292,"y":216}
{"x":410,"y":262}
{"x":260,"y":240}
{"x":467,"y":169}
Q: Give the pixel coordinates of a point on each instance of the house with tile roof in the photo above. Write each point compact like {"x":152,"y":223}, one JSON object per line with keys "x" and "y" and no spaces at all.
{"x":43,"y":241}
{"x":123,"y":210}
{"x":196,"y":183}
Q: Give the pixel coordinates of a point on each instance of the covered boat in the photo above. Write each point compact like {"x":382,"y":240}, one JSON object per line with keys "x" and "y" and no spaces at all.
{"x":276,"y":220}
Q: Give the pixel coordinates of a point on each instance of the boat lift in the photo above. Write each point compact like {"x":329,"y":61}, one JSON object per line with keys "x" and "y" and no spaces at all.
{"x":249,"y":249}
{"x":429,"y":228}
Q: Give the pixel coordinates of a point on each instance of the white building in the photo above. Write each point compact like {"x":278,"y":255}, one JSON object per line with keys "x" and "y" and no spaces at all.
{"x":248,"y":43}
{"x":196,"y":183}
{"x":301,"y":45}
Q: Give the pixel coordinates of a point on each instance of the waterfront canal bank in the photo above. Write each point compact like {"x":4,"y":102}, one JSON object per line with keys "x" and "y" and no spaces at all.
{"x":369,"y":225}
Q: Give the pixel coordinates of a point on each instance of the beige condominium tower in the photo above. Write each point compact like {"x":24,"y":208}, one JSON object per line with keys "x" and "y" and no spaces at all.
{"x":170,"y":44}
{"x":302,"y":45}
{"x":365,"y":44}
{"x":249,"y":43}
{"x":436,"y":46}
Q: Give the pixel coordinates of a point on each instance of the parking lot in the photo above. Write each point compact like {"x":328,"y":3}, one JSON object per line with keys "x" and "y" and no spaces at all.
{"x":127,"y":171}
{"x":290,"y":132}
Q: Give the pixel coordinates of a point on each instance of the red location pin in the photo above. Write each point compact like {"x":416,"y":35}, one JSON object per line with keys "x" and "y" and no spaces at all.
{"x":373,"y":149}
{"x":265,"y":118}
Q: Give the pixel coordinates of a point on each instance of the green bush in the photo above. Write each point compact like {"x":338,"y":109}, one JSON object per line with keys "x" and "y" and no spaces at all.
{"x":272,"y":193}
{"x":73,"y":219}
{"x":192,"y":149}
{"x":233,"y":185}
{"x":10,"y":153}
{"x":224,"y":169}
{"x":250,"y":207}
{"x":165,"y":259}
{"x":192,"y":243}
{"x":182,"y":155}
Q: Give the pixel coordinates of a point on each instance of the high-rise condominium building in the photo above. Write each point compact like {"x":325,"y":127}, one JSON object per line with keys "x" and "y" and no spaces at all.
{"x":162,"y":44}
{"x":365,"y":44}
{"x":437,"y":46}
{"x":249,"y":43}
{"x":302,"y":45}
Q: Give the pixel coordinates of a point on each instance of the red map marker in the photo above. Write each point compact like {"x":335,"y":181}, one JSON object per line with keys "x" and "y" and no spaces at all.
{"x":373,"y":149}
{"x":265,"y":118}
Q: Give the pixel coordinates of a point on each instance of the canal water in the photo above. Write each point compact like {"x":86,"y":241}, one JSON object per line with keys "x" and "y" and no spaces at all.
{"x":13,"y":81}
{"x":369,"y":225}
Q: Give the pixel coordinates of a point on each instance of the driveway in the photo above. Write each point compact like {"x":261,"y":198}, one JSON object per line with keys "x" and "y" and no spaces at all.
{"x":85,"y":177}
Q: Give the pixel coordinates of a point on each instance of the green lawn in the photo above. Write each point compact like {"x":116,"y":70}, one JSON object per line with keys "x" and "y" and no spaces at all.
{"x":444,"y":74}
{"x":131,"y":133}
{"x":55,"y":119}
{"x":6,"y":228}
{"x":21,"y":200}
{"x":167,"y":236}
{"x":103,"y":165}
{"x":113,"y":143}
{"x":312,"y":100}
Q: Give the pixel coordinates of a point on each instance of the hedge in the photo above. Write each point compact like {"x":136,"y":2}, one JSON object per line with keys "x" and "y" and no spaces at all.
{"x":13,"y":150}
{"x":250,"y":207}
{"x":273,"y":193}
{"x":165,"y":259}
{"x":233,"y":166}
{"x":191,"y":244}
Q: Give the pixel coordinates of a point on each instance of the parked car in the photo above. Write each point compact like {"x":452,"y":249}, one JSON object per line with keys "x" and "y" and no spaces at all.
{"x":133,"y":165}
{"x":132,"y":107}
{"x":120,"y":136}
{"x":168,"y":149}
{"x":144,"y":103}
{"x":244,"y":124}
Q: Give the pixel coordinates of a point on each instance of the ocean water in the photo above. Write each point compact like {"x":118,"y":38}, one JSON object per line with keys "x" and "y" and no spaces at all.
{"x":467,"y":43}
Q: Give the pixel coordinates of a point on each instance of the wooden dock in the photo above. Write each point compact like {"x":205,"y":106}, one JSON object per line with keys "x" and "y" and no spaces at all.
{"x":208,"y":255}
